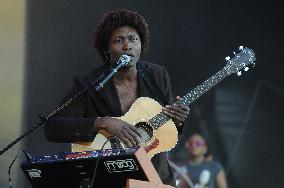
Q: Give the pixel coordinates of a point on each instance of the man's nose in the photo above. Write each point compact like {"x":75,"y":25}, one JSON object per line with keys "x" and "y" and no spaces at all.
{"x":126,"y":46}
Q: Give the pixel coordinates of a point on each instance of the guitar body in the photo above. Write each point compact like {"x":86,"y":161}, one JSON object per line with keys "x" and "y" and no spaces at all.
{"x":141,"y":111}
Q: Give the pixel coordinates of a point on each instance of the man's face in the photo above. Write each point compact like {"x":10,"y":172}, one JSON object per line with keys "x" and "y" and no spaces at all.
{"x":124,"y":41}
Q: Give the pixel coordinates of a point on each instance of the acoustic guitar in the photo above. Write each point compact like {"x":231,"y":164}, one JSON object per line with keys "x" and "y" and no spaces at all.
{"x":158,"y":131}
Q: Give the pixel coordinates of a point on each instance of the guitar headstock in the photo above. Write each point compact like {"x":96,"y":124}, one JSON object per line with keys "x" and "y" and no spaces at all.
{"x":240,"y":61}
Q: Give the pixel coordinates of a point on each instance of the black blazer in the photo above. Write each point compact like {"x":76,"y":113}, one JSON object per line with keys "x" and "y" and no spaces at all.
{"x":76,"y":122}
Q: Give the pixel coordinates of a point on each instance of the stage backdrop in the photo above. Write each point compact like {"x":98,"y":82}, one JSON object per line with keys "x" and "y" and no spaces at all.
{"x":243,"y":116}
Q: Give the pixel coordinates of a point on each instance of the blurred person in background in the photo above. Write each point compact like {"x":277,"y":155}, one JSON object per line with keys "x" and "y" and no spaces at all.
{"x":202,"y":170}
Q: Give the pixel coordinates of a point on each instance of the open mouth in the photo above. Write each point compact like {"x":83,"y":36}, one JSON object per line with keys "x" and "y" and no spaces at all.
{"x":130,"y":55}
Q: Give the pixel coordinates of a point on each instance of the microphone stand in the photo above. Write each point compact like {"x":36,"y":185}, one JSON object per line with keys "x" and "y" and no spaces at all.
{"x":98,"y":84}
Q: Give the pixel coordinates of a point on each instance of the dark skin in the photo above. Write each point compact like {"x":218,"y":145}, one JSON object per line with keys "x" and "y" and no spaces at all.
{"x":126,"y":40}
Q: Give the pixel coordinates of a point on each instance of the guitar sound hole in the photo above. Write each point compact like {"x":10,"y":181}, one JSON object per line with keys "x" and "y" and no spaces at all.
{"x":145,"y":130}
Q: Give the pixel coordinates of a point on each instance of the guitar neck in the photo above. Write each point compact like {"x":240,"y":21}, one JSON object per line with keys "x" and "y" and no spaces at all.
{"x":204,"y":87}
{"x":191,"y":96}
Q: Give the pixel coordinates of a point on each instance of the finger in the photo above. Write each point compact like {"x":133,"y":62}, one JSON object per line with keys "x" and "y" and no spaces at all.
{"x":128,"y":136}
{"x":178,"y":114}
{"x":168,"y":114}
{"x":135,"y":130}
{"x":178,"y":109}
{"x":181,"y":108}
{"x":126,"y":141}
{"x":178,"y":98}
{"x":173,"y":116}
{"x":136,"y":138}
{"x":175,"y":108}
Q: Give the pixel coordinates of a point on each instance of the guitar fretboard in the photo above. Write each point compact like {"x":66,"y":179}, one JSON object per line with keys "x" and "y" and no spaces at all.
{"x":160,"y":119}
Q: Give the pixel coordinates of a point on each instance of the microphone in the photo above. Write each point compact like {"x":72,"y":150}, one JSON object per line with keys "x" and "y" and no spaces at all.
{"x":123,"y":60}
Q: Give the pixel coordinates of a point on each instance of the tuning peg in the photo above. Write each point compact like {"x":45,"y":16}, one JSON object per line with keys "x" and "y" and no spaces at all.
{"x":227,"y":58}
{"x":241,"y":47}
{"x":253,"y":64}
{"x":234,"y":53}
{"x":239,"y":73}
{"x":246,"y":69}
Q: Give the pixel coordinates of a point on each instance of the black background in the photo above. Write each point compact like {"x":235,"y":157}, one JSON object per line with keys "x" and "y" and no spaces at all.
{"x":242,"y":116}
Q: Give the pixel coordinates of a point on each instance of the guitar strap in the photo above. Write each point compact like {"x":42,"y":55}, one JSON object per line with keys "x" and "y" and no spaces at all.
{"x":152,"y":83}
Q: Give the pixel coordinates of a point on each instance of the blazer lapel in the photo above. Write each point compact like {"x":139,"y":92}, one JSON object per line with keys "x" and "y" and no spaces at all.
{"x":110,"y":96}
{"x":143,"y":89}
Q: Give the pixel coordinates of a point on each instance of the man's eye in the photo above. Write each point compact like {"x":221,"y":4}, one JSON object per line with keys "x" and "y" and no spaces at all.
{"x":117,"y":41}
{"x":134,"y":39}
